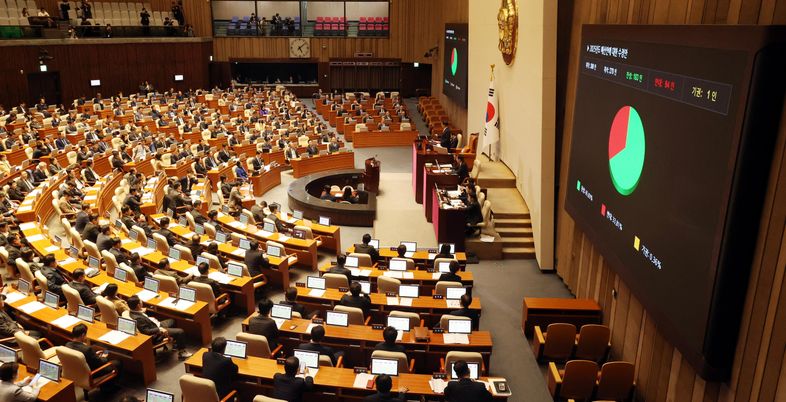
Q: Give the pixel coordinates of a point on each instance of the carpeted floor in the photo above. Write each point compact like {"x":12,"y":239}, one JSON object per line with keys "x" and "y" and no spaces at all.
{"x":500,"y":285}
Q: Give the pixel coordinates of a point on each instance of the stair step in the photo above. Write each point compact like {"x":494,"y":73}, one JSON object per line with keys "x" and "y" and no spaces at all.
{"x":510,"y":253}
{"x":512,"y":223}
{"x":511,"y":215}
{"x":514,"y":231}
{"x":518,"y":242}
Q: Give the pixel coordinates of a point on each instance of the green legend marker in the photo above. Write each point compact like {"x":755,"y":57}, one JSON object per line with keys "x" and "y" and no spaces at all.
{"x":578,"y":185}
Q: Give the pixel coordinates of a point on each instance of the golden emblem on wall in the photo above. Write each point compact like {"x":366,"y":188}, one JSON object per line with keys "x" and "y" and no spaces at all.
{"x":508,"y":22}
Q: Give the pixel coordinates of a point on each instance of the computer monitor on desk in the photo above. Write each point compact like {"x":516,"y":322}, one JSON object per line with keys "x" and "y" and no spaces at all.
{"x":384,"y":366}
{"x":307,"y":358}
{"x":154,"y":395}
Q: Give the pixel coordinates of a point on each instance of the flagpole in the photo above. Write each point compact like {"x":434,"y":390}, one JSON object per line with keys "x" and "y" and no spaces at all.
{"x":491,"y":79}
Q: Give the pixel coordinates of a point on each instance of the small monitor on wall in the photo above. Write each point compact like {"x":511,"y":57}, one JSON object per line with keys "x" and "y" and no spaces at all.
{"x":95,"y":83}
{"x":178,"y":77}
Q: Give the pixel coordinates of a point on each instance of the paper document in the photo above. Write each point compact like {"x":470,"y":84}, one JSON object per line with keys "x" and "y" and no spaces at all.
{"x":435,"y":276}
{"x":487,"y":238}
{"x":283,"y":238}
{"x":146,"y":295}
{"x":392,"y":301}
{"x":361,"y":380}
{"x":360,"y":272}
{"x":14,"y":297}
{"x":265,"y":233}
{"x":35,"y":238}
{"x":438,"y":385}
{"x":27,"y":226}
{"x":31,"y":307}
{"x":66,"y":321}
{"x":453,"y":303}
{"x":393,"y":274}
{"x":456,"y":339}
{"x":279,"y":322}
{"x":316,"y":292}
{"x":100,"y":289}
{"x":220,"y":277}
{"x":405,"y":301}
{"x":125,"y":241}
{"x":143,"y":251}
{"x":67,"y":261}
{"x":408,"y":275}
{"x":51,"y":249}
{"x":239,"y":252}
{"x":179,"y":305}
{"x":192,"y":271}
{"x":114,"y":337}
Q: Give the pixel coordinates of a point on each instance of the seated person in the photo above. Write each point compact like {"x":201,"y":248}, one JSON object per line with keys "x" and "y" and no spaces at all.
{"x":164,"y":269}
{"x":273,"y":216}
{"x":163,"y":230}
{"x":384,"y":384}
{"x":9,"y":327}
{"x":85,"y":292}
{"x":287,"y":386}
{"x":54,"y":279}
{"x":340,"y":269}
{"x":356,"y":299}
{"x":94,"y":358}
{"x":291,"y":301}
{"x":365,"y":248}
{"x":255,"y":259}
{"x":326,"y":194}
{"x":262,"y":324}
{"x":204,"y":270}
{"x":401,"y":251}
{"x":157,"y":329}
{"x":110,"y":293}
{"x":16,"y":392}
{"x":451,"y":276}
{"x":465,"y":389}
{"x":317,"y":335}
{"x":465,"y":311}
{"x":444,"y":252}
{"x":219,"y":368}
{"x":389,"y":334}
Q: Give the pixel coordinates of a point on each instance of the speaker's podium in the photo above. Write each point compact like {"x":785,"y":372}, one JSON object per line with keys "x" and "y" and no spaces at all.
{"x":371,"y":175}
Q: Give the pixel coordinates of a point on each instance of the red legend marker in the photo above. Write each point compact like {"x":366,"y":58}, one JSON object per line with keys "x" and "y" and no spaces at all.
{"x":603,"y":209}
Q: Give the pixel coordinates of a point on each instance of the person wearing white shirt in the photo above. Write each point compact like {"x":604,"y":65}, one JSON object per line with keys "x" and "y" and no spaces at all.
{"x":15,"y":392}
{"x":42,"y":12}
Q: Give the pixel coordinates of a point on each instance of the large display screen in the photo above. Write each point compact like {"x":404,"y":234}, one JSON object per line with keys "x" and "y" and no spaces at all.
{"x":455,"y":62}
{"x":656,"y":169}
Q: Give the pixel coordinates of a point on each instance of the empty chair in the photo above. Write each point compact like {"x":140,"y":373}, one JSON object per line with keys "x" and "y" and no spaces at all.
{"x":110,"y":262}
{"x":556,"y":344}
{"x":445,"y":319}
{"x":410,"y":262}
{"x":615,"y":381}
{"x":41,"y":279}
{"x":167,"y":284}
{"x":308,"y":234}
{"x":75,"y":368}
{"x":262,"y":398}
{"x":258,"y":345}
{"x":414,"y":318}
{"x":130,"y":274}
{"x":364,"y":260}
{"x":73,"y":299}
{"x":576,"y":381}
{"x":185,"y":253}
{"x":195,"y":389}
{"x":92,"y":249}
{"x":386,"y":284}
{"x":441,"y":288}
{"x":32,"y":352}
{"x":107,"y":310}
{"x":141,"y":237}
{"x":469,"y":357}
{"x":592,"y":343}
{"x":355,"y":315}
{"x":214,"y":262}
{"x":24,"y":271}
{"x":335,"y":281}
{"x":404,"y":366}
{"x":161,"y":243}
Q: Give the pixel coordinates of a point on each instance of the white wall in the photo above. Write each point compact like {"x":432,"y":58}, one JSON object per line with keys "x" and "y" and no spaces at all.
{"x":526,"y":92}
{"x":225,"y":10}
{"x":285,"y":9}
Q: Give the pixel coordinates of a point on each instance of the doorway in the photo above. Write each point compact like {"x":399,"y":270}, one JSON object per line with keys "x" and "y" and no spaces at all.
{"x":44,"y":85}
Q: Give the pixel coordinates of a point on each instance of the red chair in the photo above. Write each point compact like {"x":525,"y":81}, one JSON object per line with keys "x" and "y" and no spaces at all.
{"x":320,"y":20}
{"x":385,"y":19}
{"x":386,"y":29}
{"x":336,"y":20}
{"x":362,"y":20}
{"x":377,"y":29}
{"x":342,"y":28}
{"x":343,"y":19}
{"x":318,"y":29}
{"x":362,"y":30}
{"x":378,"y":20}
{"x":334,"y":28}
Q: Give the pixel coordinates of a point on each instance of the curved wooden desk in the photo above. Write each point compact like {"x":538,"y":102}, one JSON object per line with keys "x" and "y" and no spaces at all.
{"x":339,"y":160}
{"x":301,"y":197}
{"x":265,"y":181}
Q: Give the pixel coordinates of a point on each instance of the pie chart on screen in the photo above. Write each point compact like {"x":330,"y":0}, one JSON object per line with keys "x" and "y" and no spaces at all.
{"x":454,"y":61}
{"x":627,"y":150}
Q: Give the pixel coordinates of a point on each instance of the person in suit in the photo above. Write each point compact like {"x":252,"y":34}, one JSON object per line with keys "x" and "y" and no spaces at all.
{"x":163,"y":230}
{"x":312,"y":149}
{"x":340,"y":269}
{"x":196,"y":213}
{"x":157,"y":329}
{"x":384,"y":384}
{"x":291,"y":152}
{"x":462,"y":170}
{"x":117,"y":251}
{"x":258,"y":210}
{"x":288,"y":386}
{"x":219,"y":368}
{"x":134,"y":201}
{"x":15,"y":392}
{"x":333,"y":146}
{"x":204,"y":269}
{"x":54,"y":279}
{"x":8,"y":326}
{"x":199,"y":167}
{"x":290,"y":299}
{"x":90,"y":175}
{"x":389,"y":334}
{"x":104,"y":239}
{"x":240,"y":172}
{"x":82,"y":218}
{"x":257,"y":164}
{"x":87,"y":294}
{"x":465,"y":311}
{"x":91,"y":230}
{"x":94,"y":358}
{"x":356,"y":299}
{"x":273,"y":216}
{"x":255,"y":259}
{"x":326,"y":194}
{"x":453,"y":275}
{"x":465,"y":389}
{"x":444,"y":138}
{"x":444,"y":252}
{"x":262,"y":324}
{"x":317,"y":335}
{"x":365,"y":248}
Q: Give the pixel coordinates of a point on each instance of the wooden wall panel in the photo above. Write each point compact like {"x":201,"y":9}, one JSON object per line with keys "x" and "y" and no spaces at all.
{"x":662,"y":374}
{"x":121,"y":66}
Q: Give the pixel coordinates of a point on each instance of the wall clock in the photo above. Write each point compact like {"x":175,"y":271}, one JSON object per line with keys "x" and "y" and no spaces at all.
{"x":299,"y":48}
{"x":508,"y":22}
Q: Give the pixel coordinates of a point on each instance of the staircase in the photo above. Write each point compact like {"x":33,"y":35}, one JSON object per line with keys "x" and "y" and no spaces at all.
{"x":511,"y":214}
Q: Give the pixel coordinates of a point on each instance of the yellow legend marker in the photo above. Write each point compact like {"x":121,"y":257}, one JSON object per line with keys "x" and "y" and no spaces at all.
{"x":636,"y":242}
